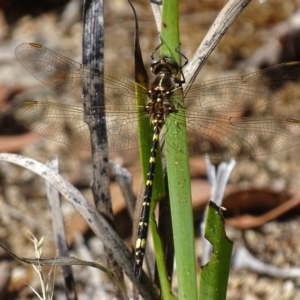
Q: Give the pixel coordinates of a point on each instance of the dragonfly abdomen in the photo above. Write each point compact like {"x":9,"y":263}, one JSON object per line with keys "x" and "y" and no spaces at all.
{"x":158,"y":108}
{"x":141,"y":240}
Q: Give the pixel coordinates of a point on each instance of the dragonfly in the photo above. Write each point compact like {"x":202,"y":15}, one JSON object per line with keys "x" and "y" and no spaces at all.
{"x":214,"y":113}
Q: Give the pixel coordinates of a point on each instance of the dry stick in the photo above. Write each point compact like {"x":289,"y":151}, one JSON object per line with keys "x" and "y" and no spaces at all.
{"x":156,"y":9}
{"x":93,"y":91}
{"x":124,"y":179}
{"x":224,"y":20}
{"x":59,"y":232}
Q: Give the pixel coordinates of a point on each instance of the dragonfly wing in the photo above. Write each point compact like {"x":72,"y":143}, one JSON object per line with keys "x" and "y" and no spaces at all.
{"x":120,"y":91}
{"x":66,"y":76}
{"x":246,"y":92}
{"x":66,"y":124}
{"x":60,"y":73}
{"x":225,"y":137}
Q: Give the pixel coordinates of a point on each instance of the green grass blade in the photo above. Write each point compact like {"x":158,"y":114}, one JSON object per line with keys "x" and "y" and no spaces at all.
{"x":215,"y":274}
{"x":178,"y":171}
{"x":160,"y":261}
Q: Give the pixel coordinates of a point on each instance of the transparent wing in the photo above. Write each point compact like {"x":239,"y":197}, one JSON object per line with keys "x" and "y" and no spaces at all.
{"x":65,"y":124}
{"x":227,"y":137}
{"x":224,"y":137}
{"x":246,"y":92}
{"x":65,"y":76}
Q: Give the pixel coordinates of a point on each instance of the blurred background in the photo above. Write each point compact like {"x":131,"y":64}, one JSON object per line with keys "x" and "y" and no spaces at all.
{"x":266,"y":33}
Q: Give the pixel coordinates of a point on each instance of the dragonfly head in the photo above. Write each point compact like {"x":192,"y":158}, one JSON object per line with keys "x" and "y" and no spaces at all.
{"x":164,"y":64}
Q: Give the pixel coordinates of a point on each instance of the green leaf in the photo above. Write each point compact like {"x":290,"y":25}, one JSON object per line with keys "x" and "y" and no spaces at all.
{"x":215,"y":274}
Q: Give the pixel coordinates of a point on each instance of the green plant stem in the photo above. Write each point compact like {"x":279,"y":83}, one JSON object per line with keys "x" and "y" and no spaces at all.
{"x":178,"y":171}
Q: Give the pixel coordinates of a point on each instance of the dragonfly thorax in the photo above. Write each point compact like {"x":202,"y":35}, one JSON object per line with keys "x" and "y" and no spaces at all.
{"x":160,"y":105}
